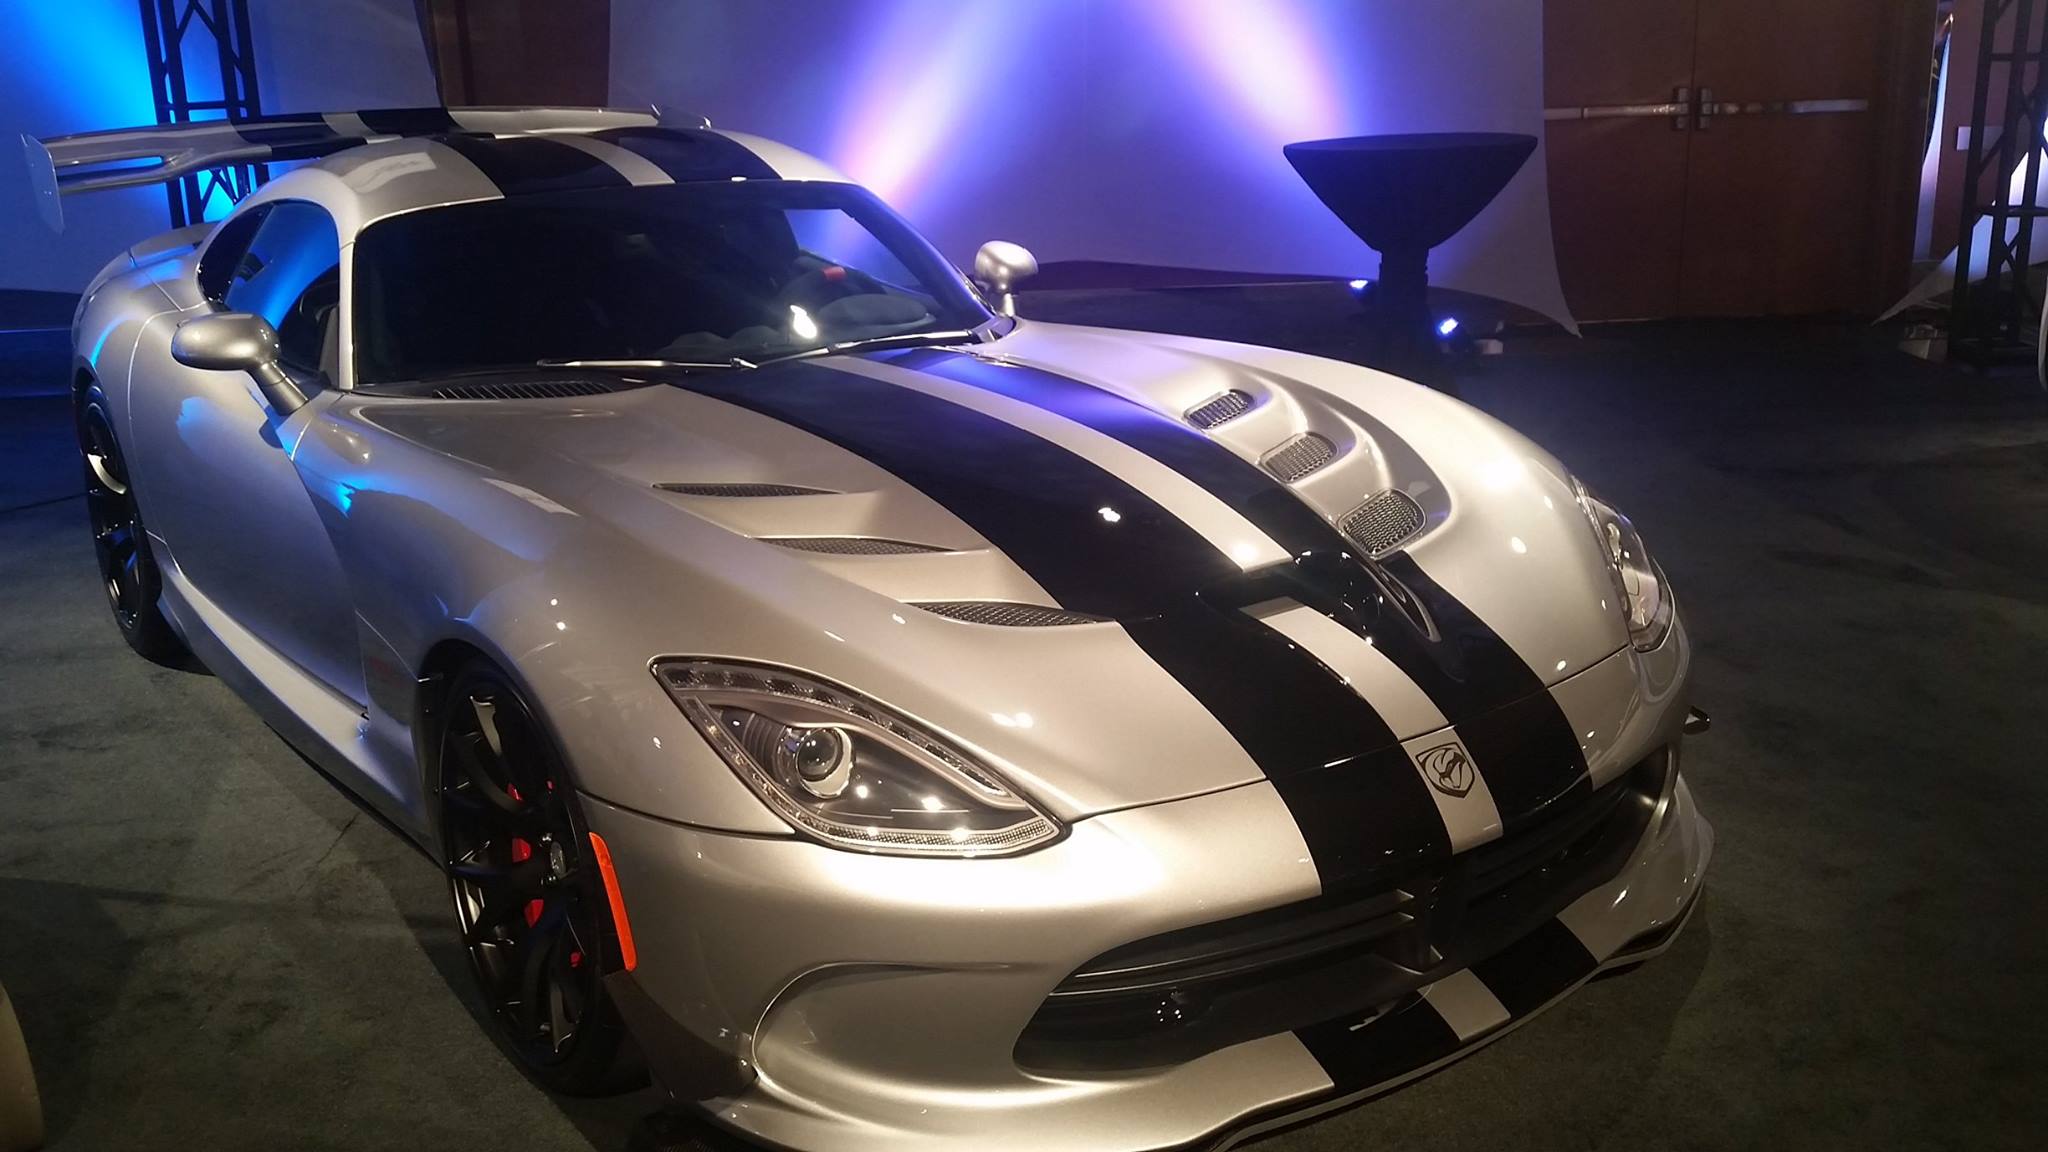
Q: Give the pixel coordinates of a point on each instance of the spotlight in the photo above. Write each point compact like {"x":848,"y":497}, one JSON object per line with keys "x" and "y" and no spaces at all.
{"x":1447,"y":326}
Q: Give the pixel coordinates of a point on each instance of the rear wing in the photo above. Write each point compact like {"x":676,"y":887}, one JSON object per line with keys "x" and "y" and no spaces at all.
{"x":60,"y":166}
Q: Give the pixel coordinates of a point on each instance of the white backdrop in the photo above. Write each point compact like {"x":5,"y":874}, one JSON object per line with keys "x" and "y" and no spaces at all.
{"x":1133,"y":130}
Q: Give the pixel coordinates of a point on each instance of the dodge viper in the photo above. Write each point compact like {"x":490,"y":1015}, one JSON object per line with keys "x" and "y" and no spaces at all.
{"x":893,"y":723}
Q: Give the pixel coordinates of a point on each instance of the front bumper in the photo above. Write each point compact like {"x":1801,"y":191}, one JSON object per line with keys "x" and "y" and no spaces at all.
{"x":836,"y":1001}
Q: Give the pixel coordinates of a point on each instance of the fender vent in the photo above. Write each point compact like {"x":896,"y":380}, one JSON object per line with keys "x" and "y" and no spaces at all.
{"x":1220,"y":409}
{"x":849,"y":545}
{"x":1006,"y":614}
{"x":523,"y":390}
{"x":1299,"y":457}
{"x":1383,"y":523}
{"x":742,"y":490}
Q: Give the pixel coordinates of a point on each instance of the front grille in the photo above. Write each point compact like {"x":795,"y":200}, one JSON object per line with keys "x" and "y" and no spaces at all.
{"x":1299,"y":457}
{"x":1171,"y":998}
{"x":1383,"y":523}
{"x":1006,"y":614}
{"x":522,"y":390}
{"x":1220,"y":409}
{"x":741,"y":490}
{"x":850,"y":545}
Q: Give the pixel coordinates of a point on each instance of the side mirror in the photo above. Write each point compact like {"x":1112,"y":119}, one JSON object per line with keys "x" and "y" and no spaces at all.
{"x":999,"y":266}
{"x":238,"y":342}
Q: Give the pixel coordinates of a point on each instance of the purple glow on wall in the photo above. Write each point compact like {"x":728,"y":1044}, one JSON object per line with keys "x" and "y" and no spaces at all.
{"x":1269,"y":63}
{"x":928,"y":68}
{"x":1146,"y":131}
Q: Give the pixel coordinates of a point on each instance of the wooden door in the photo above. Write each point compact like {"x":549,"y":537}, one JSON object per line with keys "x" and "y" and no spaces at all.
{"x":1783,"y":161}
{"x":1617,"y":180}
{"x":1787,"y":191}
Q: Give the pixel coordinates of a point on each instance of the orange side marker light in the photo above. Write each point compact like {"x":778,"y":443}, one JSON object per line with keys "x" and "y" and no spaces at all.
{"x":628,"y":955}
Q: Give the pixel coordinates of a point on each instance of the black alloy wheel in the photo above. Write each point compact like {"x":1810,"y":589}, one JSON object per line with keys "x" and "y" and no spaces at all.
{"x":120,"y":544}
{"x":528,"y":900}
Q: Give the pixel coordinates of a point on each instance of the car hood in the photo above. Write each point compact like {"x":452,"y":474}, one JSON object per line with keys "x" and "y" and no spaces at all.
{"x":1033,"y":547}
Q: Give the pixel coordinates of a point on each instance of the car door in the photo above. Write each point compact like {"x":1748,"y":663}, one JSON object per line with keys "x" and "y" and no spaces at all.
{"x":239,"y":522}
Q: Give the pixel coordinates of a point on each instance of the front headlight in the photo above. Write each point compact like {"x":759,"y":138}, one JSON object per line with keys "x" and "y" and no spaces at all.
{"x":1645,"y":601}
{"x":847,"y":770}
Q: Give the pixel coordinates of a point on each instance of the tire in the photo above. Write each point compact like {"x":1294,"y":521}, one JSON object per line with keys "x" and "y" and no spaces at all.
{"x":128,"y":571}
{"x":529,"y":904}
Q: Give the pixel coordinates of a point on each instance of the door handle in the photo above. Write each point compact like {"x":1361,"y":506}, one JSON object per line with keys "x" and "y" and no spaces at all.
{"x":1709,"y":108}
{"x":1679,"y":108}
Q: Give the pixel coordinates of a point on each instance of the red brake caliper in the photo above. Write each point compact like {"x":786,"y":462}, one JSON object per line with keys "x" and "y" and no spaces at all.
{"x":521,"y":853}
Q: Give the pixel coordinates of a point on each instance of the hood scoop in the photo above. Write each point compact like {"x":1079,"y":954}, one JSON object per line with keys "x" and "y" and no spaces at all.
{"x":1383,"y":523}
{"x":522,"y":390}
{"x":1220,"y":409}
{"x":851,"y":545}
{"x":743,"y":490}
{"x":1005,"y":614}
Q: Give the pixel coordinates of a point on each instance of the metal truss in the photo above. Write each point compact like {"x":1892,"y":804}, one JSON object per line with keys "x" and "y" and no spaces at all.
{"x":171,"y":28}
{"x":1997,"y":318}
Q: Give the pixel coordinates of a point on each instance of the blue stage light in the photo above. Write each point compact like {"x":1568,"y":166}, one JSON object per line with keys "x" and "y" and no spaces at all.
{"x":1447,"y":325}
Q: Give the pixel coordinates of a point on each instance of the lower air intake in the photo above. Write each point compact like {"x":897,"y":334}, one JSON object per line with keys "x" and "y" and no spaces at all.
{"x":850,"y":545}
{"x":1383,"y":523}
{"x":1219,"y":409}
{"x":1006,"y":614}
{"x":1299,"y":457}
{"x":741,"y":490}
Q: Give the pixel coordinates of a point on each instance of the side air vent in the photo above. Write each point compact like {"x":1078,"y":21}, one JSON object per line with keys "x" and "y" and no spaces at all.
{"x":1383,"y":523}
{"x":1299,"y":457}
{"x":741,"y":490}
{"x":1220,"y":409}
{"x":1006,"y":614}
{"x":523,"y":390}
{"x":849,"y":545}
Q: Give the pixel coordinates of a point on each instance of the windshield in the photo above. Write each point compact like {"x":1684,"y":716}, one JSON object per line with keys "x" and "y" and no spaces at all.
{"x":687,"y":272}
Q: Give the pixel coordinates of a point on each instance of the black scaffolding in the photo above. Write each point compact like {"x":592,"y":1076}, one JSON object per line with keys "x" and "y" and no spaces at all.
{"x":1996,"y":318}
{"x":215,"y":32}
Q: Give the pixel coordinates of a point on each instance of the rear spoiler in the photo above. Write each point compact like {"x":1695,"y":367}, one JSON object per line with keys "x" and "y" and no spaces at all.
{"x":153,"y":154}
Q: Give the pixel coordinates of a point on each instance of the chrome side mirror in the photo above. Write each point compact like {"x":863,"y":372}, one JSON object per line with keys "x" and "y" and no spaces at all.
{"x":999,"y":266}
{"x":238,"y":342}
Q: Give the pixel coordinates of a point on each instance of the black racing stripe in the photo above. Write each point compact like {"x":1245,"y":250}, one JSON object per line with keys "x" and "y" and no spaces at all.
{"x":1343,"y":590}
{"x":1536,"y":969}
{"x":1368,"y":822}
{"x":1329,"y":752}
{"x":690,"y":154}
{"x":524,"y":165}
{"x":407,"y":121}
{"x":1466,"y":669}
{"x":1525,"y":749}
{"x":1355,"y":1058}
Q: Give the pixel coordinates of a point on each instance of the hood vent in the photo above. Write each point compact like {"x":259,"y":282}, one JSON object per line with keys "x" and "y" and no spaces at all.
{"x":1005,"y":614}
{"x":523,"y":390}
{"x":1220,"y":409}
{"x":1383,"y":523}
{"x":850,"y":545}
{"x":1299,"y":457}
{"x":742,"y":490}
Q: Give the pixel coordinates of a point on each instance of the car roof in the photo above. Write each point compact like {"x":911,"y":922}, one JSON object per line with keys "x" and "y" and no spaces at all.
{"x":361,"y":185}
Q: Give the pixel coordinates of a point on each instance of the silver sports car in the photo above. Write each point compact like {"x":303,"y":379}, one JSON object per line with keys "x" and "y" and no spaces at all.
{"x":900,"y":725}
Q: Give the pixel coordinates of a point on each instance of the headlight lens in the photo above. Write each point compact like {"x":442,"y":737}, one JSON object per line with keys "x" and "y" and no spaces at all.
{"x":847,"y":770}
{"x":1645,"y":601}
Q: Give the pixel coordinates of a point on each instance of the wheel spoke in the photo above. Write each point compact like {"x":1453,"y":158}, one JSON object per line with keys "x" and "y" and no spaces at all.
{"x":534,"y":949}
{"x":505,"y":894}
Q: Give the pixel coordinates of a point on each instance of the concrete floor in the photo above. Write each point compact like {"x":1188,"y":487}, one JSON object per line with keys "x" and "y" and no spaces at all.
{"x":209,"y":947}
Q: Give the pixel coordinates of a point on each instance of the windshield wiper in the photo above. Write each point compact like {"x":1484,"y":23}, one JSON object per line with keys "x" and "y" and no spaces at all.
{"x":655,"y":365}
{"x":903,"y":340}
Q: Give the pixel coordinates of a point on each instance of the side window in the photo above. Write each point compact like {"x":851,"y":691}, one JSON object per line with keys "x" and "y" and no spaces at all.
{"x":224,"y":255}
{"x":291,"y":276}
